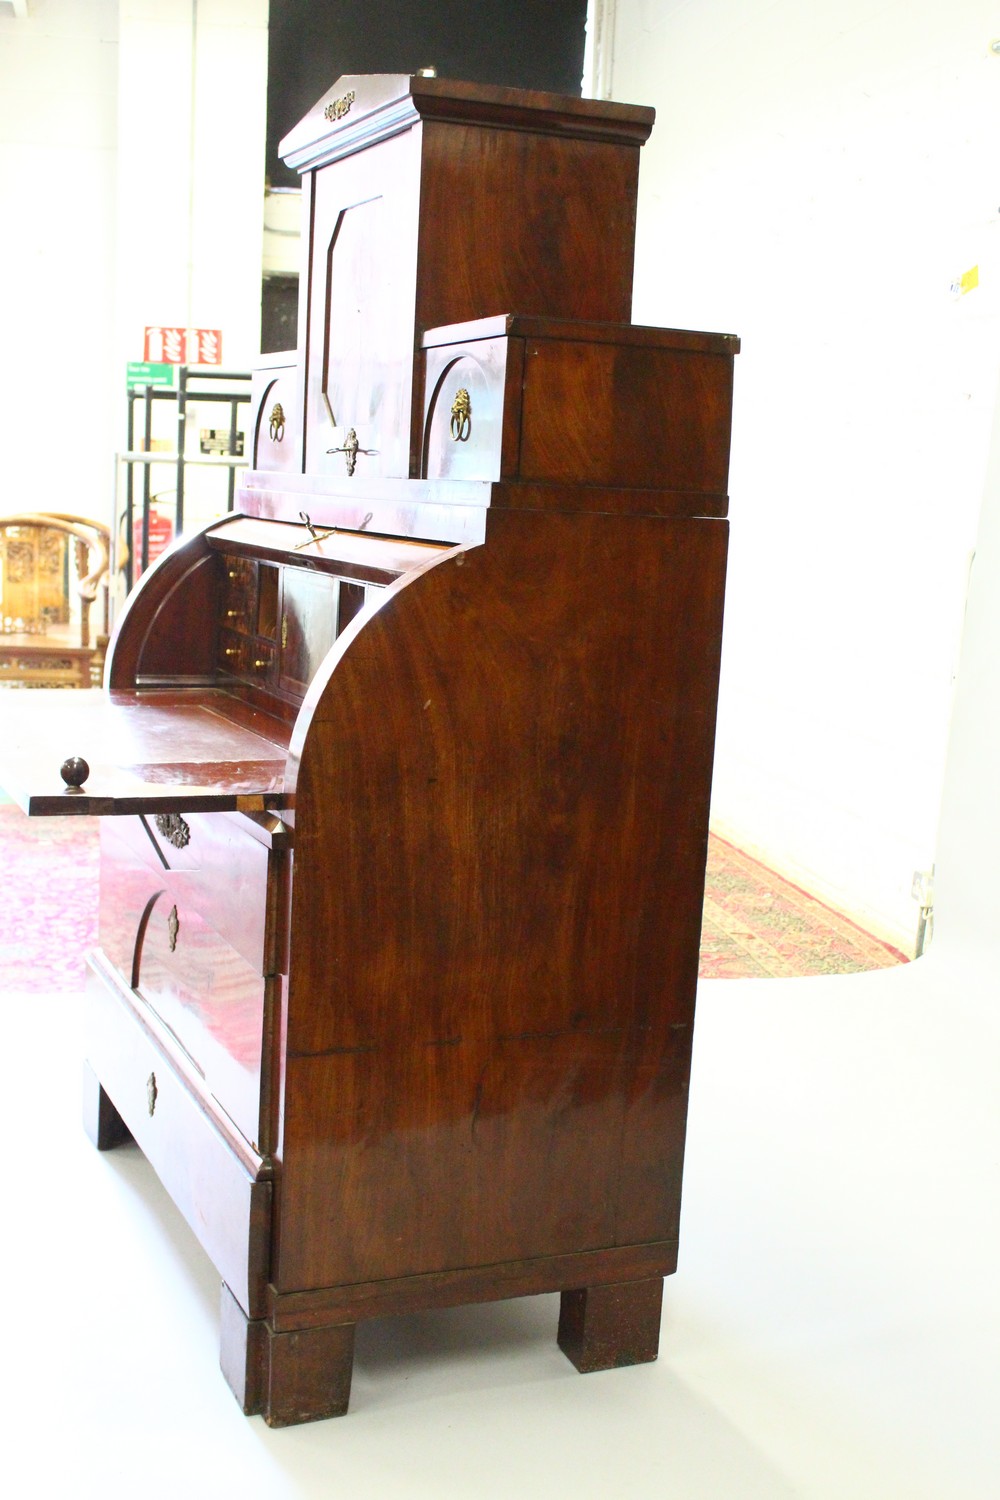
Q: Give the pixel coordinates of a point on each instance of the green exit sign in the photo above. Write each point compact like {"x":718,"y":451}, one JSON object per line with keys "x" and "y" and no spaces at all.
{"x":141,"y":372}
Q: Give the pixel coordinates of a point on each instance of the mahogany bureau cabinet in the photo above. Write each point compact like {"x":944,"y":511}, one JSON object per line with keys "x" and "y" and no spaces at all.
{"x":403,"y":769}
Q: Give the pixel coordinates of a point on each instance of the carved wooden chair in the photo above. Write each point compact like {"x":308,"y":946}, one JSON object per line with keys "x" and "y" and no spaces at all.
{"x":53,"y":566}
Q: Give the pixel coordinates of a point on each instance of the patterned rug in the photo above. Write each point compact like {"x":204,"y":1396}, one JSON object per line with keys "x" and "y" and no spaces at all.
{"x":48,"y":875}
{"x":755,"y":923}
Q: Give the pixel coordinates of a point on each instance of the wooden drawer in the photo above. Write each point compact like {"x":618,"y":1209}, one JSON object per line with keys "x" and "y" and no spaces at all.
{"x":464,"y":411}
{"x":538,"y":400}
{"x":235,"y":652}
{"x":189,"y":917}
{"x":216,"y":1185}
{"x":239,"y":594}
{"x":209,"y":862}
{"x":277,"y":425}
{"x":211,"y":1000}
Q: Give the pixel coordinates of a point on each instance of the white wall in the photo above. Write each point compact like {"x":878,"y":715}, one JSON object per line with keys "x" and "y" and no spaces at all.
{"x":970,"y":815}
{"x":818,"y":177}
{"x":58,"y":71}
{"x":131,"y":178}
{"x":192,"y":98}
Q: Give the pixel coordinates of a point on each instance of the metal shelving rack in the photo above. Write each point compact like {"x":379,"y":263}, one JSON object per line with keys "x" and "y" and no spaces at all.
{"x":189,"y":388}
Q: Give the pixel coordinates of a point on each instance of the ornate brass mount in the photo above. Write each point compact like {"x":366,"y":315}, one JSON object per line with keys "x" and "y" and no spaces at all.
{"x":351,"y":449}
{"x":314,"y":535}
{"x":337,"y":108}
{"x":461,"y":415}
{"x":321,"y":536}
{"x":173,"y":928}
{"x":174,"y":829}
{"x":276,"y":428}
{"x":151,"y":1092}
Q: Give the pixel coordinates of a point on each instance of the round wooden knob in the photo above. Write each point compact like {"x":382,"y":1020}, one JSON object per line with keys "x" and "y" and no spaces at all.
{"x":74,"y":771}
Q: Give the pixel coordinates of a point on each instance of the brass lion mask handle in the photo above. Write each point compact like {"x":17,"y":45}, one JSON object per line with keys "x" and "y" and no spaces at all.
{"x":461,"y":416}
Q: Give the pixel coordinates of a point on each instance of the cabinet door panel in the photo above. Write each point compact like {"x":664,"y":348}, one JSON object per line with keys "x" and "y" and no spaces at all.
{"x":309,"y":610}
{"x":361,"y":309}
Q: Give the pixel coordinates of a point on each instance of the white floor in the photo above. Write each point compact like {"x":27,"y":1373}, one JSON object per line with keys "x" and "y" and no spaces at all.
{"x":833,"y":1331}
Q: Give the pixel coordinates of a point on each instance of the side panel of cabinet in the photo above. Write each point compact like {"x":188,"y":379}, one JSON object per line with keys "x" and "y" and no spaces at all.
{"x":488,"y":1051}
{"x":614,"y":414}
{"x":514,"y":222}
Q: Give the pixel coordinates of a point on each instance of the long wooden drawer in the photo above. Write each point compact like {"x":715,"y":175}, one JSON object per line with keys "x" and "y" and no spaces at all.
{"x":189,"y":927}
{"x":210,"y":862}
{"x":222,"y":1192}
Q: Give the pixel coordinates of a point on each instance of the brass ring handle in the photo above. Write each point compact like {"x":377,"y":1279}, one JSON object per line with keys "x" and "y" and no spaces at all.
{"x":461,"y":416}
{"x":276,"y":429}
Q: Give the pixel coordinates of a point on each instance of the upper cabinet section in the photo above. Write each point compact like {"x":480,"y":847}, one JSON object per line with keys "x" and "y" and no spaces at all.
{"x":432,"y":202}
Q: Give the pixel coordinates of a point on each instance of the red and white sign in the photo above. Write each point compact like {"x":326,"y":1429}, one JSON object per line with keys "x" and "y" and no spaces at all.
{"x":183,"y":346}
{"x":161,"y":534}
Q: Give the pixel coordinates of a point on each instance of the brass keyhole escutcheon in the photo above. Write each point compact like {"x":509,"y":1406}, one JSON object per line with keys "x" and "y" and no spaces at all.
{"x":284,"y":631}
{"x":461,"y":416}
{"x":350,"y":448}
{"x":276,"y":427}
{"x":173,"y":928}
{"x":151,"y":1093}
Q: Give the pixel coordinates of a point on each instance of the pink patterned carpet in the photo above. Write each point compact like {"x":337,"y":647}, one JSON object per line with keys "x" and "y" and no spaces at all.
{"x":755,"y":923}
{"x":48,"y":868}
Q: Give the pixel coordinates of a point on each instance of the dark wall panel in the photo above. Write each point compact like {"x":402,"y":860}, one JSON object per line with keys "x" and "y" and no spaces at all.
{"x":535,"y":44}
